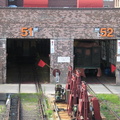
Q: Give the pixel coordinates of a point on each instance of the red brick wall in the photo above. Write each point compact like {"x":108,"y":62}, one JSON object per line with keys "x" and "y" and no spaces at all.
{"x":62,"y":22}
{"x":3,"y":3}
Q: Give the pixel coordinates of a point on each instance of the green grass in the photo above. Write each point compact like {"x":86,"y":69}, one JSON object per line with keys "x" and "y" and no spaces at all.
{"x":105,"y":110}
{"x":30,"y":101}
{"x":2,"y":108}
{"x":109,"y":97}
{"x":110,"y":101}
{"x":48,"y":111}
{"x":47,"y":103}
{"x":25,"y":97}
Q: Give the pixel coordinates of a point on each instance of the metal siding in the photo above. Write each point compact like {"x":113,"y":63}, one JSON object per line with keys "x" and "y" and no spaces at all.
{"x":112,"y":51}
{"x":35,"y":3}
{"x":108,"y":4}
{"x":3,"y":3}
{"x":89,"y":3}
{"x":62,"y":3}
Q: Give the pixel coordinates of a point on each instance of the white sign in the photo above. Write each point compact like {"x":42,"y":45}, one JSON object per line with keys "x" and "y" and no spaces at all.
{"x":118,"y":50}
{"x":3,"y":45}
{"x":118,"y":47}
{"x":97,"y":29}
{"x":118,"y":58}
{"x":52,"y":49}
{"x":64,"y":59}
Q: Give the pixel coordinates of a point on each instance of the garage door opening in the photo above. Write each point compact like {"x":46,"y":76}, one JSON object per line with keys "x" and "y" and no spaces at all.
{"x":95,"y":57}
{"x":23,"y":57}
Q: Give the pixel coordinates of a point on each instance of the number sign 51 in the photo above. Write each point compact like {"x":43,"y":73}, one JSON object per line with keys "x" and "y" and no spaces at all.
{"x":26,"y":31}
{"x":106,"y":32}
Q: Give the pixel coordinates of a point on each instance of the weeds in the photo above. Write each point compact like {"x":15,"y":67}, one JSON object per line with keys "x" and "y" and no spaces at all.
{"x":110,"y":101}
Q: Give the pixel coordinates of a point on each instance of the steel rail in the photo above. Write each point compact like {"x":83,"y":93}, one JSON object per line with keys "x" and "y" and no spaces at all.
{"x":19,"y":105}
{"x":14,"y":112}
{"x":104,"y":85}
{"x":103,"y":102}
{"x":56,"y":110}
{"x":19,"y":78}
{"x":17,"y":100}
{"x":40,"y":94}
{"x":116,"y":115}
{"x":38,"y":89}
{"x":19,"y":91}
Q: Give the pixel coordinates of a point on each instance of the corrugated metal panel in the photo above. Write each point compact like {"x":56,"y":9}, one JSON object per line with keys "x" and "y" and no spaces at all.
{"x":89,"y":3}
{"x":35,"y":3}
{"x":112,"y":51}
{"x":62,"y":3}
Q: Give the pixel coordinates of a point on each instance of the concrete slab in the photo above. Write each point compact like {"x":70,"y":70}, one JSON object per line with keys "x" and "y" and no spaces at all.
{"x":9,"y":88}
{"x":114,"y":88}
{"x":100,"y":89}
{"x":28,"y":88}
{"x":49,"y":89}
{"x":14,"y":88}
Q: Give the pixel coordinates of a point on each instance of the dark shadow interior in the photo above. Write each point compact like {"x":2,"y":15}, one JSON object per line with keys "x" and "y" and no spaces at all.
{"x":23,"y":56}
{"x":93,"y":54}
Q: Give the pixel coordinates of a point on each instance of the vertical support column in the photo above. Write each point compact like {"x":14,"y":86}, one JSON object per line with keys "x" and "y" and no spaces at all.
{"x":2,"y":61}
{"x":107,"y":51}
{"x":118,"y":63}
{"x":61,"y":57}
{"x":117,"y":3}
{"x":118,"y":76}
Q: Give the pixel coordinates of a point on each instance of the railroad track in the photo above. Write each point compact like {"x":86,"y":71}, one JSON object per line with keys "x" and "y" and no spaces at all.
{"x":14,"y":113}
{"x":90,"y":90}
{"x":15,"y":102}
{"x":40,"y":95}
{"x":16,"y":107}
{"x":99,"y":80}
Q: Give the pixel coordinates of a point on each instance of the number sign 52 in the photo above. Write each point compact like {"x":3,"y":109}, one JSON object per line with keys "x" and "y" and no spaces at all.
{"x":106,"y":32}
{"x":26,"y":31}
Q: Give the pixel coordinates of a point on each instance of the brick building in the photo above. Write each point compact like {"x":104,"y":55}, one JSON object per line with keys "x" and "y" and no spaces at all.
{"x":57,"y":28}
{"x":60,"y":28}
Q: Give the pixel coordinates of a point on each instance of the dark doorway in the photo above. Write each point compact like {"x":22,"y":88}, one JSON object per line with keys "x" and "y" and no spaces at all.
{"x":94,"y":57}
{"x":23,"y":57}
